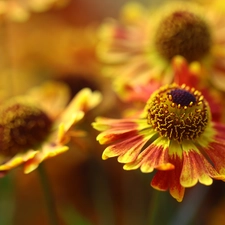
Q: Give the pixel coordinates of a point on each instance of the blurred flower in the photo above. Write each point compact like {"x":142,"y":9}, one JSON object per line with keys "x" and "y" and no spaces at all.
{"x":137,"y":49}
{"x":38,"y":125}
{"x":20,"y":11}
{"x":173,"y":134}
{"x":216,"y":70}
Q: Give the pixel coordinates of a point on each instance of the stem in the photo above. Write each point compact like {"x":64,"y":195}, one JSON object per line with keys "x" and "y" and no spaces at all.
{"x":52,"y":212}
{"x":154,"y":208}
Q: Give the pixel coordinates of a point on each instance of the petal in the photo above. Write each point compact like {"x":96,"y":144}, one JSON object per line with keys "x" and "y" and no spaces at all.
{"x":85,"y":100}
{"x":155,"y":156}
{"x":140,"y":92}
{"x":127,"y":150}
{"x":81,"y":103}
{"x":184,"y":73}
{"x":70,"y":121}
{"x":220,"y":128}
{"x":103,"y":123}
{"x":47,"y":152}
{"x":113,"y":135}
{"x":61,"y":132}
{"x":170,"y":179}
{"x":196,"y":168}
{"x":120,"y":129}
{"x":216,"y":153}
{"x":17,"y":160}
{"x":161,"y":180}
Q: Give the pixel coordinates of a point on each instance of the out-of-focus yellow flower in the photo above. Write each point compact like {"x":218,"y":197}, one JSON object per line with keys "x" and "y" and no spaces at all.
{"x":137,"y":49}
{"x":38,"y":125}
{"x":20,"y":11}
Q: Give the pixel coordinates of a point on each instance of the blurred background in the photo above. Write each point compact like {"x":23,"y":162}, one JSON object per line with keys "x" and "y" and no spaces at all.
{"x":56,"y":39}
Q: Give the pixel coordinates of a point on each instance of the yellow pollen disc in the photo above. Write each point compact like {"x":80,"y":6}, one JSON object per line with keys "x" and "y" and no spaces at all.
{"x":178,"y":112}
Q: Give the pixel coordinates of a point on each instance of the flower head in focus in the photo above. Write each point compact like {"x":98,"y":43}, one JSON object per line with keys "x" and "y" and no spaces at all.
{"x":174,"y":135}
{"x":137,"y":49}
{"x":38,"y":125}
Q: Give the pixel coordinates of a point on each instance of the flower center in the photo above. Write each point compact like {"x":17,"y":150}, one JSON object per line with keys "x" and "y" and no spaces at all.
{"x":22,"y":127}
{"x":182,"y":97}
{"x":183,"y":33}
{"x":178,"y":112}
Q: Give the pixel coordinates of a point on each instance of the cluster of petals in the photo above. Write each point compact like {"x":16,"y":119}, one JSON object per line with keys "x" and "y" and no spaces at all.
{"x":52,"y":98}
{"x":178,"y":165}
{"x":131,"y":59}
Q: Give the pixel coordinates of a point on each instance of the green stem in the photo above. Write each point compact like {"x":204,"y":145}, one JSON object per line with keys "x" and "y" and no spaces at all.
{"x":52,"y":212}
{"x":154,"y":208}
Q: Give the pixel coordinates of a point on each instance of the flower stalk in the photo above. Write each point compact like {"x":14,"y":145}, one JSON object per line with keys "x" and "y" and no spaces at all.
{"x":50,"y":203}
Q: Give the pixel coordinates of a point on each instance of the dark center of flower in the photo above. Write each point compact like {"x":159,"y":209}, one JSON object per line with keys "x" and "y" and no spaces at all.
{"x":178,"y":112}
{"x":22,"y":127}
{"x":183,"y":33}
{"x":182,"y":97}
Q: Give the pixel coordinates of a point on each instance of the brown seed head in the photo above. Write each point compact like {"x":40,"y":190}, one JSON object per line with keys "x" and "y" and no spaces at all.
{"x":22,"y":127}
{"x":183,"y":33}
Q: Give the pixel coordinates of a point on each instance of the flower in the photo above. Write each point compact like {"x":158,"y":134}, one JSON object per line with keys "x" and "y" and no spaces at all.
{"x":38,"y":125}
{"x":174,"y":135}
{"x":20,"y":11}
{"x":137,"y":49}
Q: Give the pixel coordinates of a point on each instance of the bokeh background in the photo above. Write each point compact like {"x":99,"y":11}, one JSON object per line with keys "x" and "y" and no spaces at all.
{"x":56,"y":39}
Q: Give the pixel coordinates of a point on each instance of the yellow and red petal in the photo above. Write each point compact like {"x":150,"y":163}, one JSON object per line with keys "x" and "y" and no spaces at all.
{"x":115,"y":130}
{"x":170,"y":179}
{"x":127,"y":150}
{"x":186,"y":74}
{"x":196,"y":168}
{"x":139,"y":92}
{"x":103,"y":123}
{"x":216,"y":154}
{"x":17,"y":160}
{"x":215,"y":150}
{"x":82,"y":102}
{"x":85,"y":100}
{"x":65,"y":125}
{"x":46,"y":152}
{"x":155,"y":156}
{"x":113,"y":135}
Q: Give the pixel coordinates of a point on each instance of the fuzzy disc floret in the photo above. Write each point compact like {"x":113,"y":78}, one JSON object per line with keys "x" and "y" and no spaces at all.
{"x":183,"y":33}
{"x":22,"y":127}
{"x":178,"y":112}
